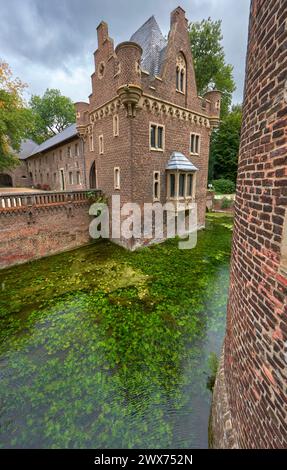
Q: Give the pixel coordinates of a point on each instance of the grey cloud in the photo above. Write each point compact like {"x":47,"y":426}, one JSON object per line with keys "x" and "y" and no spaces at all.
{"x":41,"y":38}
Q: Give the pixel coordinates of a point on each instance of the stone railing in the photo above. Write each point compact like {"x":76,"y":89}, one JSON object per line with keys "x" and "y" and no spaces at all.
{"x":47,"y":198}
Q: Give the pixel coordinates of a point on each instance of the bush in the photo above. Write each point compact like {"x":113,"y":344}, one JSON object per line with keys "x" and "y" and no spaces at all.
{"x":213,"y":364}
{"x":224,"y":186}
{"x":226,"y":203}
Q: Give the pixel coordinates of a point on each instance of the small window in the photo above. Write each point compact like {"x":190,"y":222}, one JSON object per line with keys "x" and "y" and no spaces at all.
{"x":69,"y":152}
{"x":181,"y":73}
{"x":101,"y":144}
{"x":61,"y":155}
{"x":91,"y":143}
{"x":116,"y":125}
{"x":117,"y":178}
{"x":78,"y":177}
{"x":76,"y":150}
{"x":70,"y":177}
{"x":156,"y":185}
{"x":177,"y":78}
{"x":48,"y":176}
{"x":55,"y":177}
{"x":172,"y":185}
{"x":195,"y":144}
{"x":181,"y":191}
{"x":153,"y":136}
{"x":156,"y":137}
{"x":189,"y":189}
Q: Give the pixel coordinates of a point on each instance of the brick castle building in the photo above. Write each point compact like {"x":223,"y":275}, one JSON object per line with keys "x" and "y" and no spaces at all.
{"x":144,"y":134}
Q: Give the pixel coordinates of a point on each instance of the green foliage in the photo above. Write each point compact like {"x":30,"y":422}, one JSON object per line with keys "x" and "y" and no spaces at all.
{"x":223,"y":186}
{"x":15,"y":119}
{"x":101,"y":347}
{"x":52,"y":112}
{"x":226,"y":203}
{"x":211,"y":71}
{"x":225,"y":146}
{"x":213,"y":364}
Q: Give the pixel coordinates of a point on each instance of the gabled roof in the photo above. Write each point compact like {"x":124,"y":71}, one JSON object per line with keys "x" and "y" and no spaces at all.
{"x":57,"y":139}
{"x":150,"y":38}
{"x":27,"y":147}
{"x":179,"y":162}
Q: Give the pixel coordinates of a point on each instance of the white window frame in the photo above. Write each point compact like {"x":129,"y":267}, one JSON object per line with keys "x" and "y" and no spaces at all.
{"x":181,"y":69}
{"x":195,"y":134}
{"x":176,"y":195}
{"x":156,"y":180}
{"x":76,"y":149}
{"x":117,"y":178}
{"x":71,"y":178}
{"x":156,"y":148}
{"x":78,"y":178}
{"x":101,"y":144}
{"x":116,"y":127}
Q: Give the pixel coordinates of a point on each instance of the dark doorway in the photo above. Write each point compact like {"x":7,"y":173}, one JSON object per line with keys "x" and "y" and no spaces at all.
{"x":6,"y":180}
{"x":93,"y":177}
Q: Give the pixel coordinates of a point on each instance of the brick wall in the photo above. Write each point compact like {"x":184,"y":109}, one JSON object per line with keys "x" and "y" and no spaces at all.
{"x":44,"y":169}
{"x":19,"y":176}
{"x":158,"y":102}
{"x":42,"y":229}
{"x":256,"y":337}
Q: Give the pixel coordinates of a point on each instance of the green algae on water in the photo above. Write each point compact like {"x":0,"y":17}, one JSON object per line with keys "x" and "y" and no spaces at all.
{"x":101,"y":347}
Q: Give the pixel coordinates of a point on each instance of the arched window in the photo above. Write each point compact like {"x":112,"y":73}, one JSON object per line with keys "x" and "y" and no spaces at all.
{"x":181,"y":73}
{"x":93,"y":176}
{"x":177,"y":78}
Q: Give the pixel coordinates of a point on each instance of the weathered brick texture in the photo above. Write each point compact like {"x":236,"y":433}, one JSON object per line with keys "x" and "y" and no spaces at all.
{"x":256,"y":338}
{"x":29,"y":233}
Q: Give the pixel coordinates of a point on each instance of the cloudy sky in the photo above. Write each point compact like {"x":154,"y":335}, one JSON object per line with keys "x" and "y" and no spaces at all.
{"x":49,"y":43}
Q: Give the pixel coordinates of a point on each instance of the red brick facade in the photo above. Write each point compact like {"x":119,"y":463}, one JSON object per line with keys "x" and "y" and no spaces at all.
{"x":42,"y":224}
{"x":255,"y":365}
{"x":59,"y":168}
{"x":113,"y":138}
{"x":122,"y":87}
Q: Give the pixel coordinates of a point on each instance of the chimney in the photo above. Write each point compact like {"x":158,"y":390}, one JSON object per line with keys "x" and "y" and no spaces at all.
{"x":177,"y":15}
{"x":103,"y":33}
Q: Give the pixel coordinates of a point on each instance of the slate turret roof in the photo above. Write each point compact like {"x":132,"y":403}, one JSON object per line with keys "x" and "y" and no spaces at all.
{"x":153,"y":43}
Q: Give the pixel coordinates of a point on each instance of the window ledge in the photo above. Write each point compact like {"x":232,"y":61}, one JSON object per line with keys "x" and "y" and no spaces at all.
{"x":181,"y":92}
{"x":194,"y":154}
{"x":153,"y":149}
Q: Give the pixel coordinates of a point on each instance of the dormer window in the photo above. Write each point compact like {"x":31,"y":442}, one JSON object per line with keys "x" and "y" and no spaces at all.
{"x":180,"y":73}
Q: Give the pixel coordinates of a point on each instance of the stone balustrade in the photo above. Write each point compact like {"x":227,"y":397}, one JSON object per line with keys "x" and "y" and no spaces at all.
{"x":47,"y":198}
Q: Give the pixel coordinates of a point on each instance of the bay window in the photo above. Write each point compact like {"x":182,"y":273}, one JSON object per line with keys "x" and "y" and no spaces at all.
{"x":180,"y":185}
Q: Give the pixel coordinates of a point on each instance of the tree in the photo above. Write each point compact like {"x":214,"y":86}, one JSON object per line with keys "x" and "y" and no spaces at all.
{"x":211,"y":71}
{"x":225,"y":146}
{"x":53,"y":112}
{"x":15,"y":119}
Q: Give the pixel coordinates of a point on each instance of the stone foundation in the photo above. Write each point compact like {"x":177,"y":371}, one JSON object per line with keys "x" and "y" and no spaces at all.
{"x":222,"y":433}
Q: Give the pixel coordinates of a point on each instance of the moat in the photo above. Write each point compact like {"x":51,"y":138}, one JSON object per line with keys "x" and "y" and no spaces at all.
{"x":104,"y":348}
